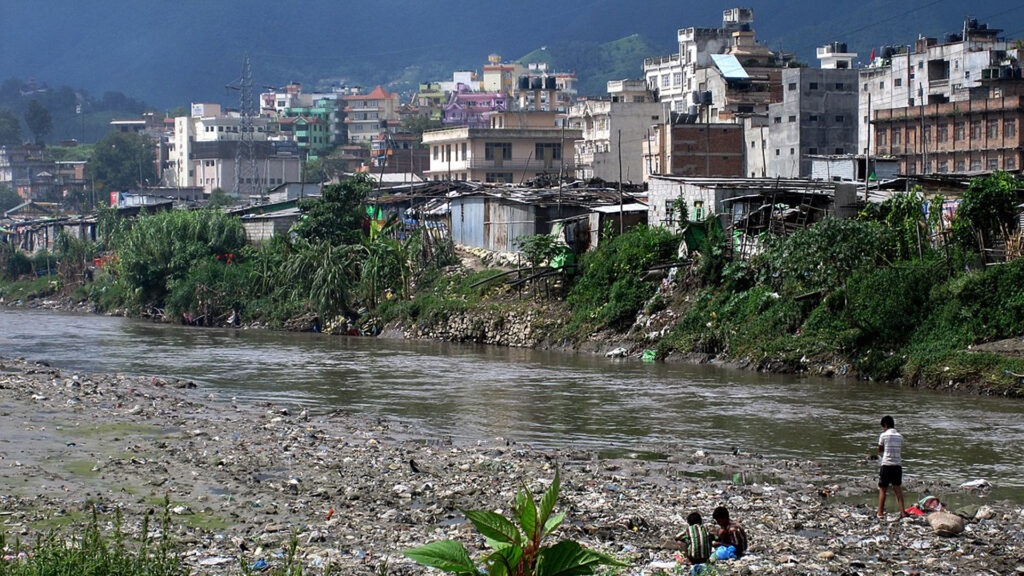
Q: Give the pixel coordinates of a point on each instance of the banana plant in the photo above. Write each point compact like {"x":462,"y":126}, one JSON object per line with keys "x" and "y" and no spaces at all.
{"x":518,"y":545}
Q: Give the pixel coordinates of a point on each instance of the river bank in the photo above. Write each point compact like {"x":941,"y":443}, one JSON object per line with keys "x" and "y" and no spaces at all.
{"x":243,"y":477}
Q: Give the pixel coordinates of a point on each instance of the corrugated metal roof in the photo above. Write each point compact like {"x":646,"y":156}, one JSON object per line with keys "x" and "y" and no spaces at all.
{"x":730,"y":66}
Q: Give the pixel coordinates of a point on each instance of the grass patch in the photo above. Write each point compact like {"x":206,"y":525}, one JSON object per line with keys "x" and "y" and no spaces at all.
{"x":82,"y":468}
{"x":29,"y":289}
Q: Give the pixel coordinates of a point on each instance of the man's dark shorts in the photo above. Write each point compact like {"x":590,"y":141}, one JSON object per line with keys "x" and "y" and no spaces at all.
{"x":890,"y":476}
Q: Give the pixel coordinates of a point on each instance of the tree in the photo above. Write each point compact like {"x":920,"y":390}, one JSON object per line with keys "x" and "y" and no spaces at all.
{"x":10,"y":129}
{"x":337,"y":216}
{"x":219,"y":198}
{"x":313,"y":171}
{"x":419,"y":124}
{"x":8,"y":198}
{"x":988,"y":208}
{"x":39,"y":121}
{"x":122,"y":160}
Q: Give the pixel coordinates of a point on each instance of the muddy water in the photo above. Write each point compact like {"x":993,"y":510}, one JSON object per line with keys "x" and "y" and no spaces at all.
{"x":549,"y":398}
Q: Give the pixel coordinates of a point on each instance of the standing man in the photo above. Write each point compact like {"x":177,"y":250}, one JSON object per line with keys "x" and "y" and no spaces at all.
{"x":890,"y":448}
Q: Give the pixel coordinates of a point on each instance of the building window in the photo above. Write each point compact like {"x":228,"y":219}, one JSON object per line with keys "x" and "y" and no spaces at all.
{"x":975,"y":129}
{"x":464,"y":156}
{"x":435,"y":152}
{"x":665,"y":78}
{"x":993,"y":129}
{"x":880,"y":137}
{"x":840,"y":150}
{"x":840,"y":86}
{"x":677,"y":79}
{"x":942,"y":133}
{"x":812,"y":150}
{"x":975,"y":165}
{"x":865,"y":87}
{"x":840,"y":118}
{"x":777,"y":120}
{"x":960,"y":166}
{"x":897,"y":82}
{"x":959,"y":131}
{"x":792,"y":118}
{"x":497,"y":151}
{"x":881,"y":85}
{"x":993,"y":164}
{"x":1010,"y":163}
{"x":548,"y":151}
{"x":813,"y":85}
{"x":792,"y":86}
{"x":812,"y":118}
{"x":698,"y":210}
{"x":1009,"y":128}
{"x":776,"y":151}
{"x":897,"y":137}
{"x":495,"y":177}
{"x":792,"y":151}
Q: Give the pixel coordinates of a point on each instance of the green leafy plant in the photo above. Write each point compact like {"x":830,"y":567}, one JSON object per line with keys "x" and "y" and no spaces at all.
{"x":518,"y":547}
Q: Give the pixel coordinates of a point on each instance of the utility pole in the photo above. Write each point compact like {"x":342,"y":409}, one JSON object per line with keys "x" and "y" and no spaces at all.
{"x":621,"y":219}
{"x":867,"y":153}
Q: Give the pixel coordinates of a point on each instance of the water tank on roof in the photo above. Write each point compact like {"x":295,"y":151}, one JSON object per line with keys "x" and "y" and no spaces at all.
{"x":839,"y":47}
{"x":888,"y":51}
{"x":536,"y":83}
{"x":549,"y":83}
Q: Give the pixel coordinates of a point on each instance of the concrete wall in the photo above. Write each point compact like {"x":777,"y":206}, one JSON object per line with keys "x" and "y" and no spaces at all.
{"x":816,"y":116}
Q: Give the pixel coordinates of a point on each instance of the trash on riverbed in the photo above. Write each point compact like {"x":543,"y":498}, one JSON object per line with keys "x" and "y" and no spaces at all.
{"x":215,"y":561}
{"x":979,"y":484}
{"x":616,"y":353}
{"x":648,"y":356}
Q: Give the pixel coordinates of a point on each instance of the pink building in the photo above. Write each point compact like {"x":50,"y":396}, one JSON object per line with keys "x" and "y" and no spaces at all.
{"x":472,"y":109}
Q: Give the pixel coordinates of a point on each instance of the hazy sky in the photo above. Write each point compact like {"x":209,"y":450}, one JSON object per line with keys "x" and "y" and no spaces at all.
{"x":170,"y":52}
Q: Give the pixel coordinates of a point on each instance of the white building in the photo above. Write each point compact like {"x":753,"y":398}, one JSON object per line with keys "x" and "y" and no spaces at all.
{"x":204,"y":151}
{"x":624,"y":117}
{"x":674,"y":77}
{"x":929,"y":72}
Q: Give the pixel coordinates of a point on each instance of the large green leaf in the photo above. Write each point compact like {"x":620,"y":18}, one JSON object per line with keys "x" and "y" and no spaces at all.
{"x":446,"y":555}
{"x":526,"y":513}
{"x":504,"y":560}
{"x":547,"y":503}
{"x":553,"y":523}
{"x":493,"y":526}
{"x":568,"y":558}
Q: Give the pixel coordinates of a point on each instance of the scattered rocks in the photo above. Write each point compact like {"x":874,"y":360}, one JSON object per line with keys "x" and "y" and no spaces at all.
{"x":243,"y":480}
{"x":946,"y":523}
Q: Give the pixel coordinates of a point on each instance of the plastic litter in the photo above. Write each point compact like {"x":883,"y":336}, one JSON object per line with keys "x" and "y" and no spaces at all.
{"x":979,"y":484}
{"x":648,"y":356}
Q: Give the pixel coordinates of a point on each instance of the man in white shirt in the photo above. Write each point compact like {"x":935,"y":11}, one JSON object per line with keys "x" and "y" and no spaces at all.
{"x":890,"y":448}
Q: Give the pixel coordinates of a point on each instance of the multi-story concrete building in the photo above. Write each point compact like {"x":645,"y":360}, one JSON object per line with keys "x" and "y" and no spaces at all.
{"x":625,"y":116}
{"x":473,"y":109}
{"x":975,"y":136}
{"x":369,"y":115}
{"x":322,"y":113}
{"x":501,"y":76}
{"x":673,"y":78}
{"x":816,"y":114}
{"x":515,"y":147}
{"x":27,"y":172}
{"x":696,"y":150}
{"x":929,"y":72}
{"x":204,"y":151}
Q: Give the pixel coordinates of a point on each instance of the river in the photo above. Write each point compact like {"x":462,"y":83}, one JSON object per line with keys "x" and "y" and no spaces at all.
{"x":549,"y":398}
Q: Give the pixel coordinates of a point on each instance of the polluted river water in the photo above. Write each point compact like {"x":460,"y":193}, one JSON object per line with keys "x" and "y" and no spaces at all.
{"x":550,"y":399}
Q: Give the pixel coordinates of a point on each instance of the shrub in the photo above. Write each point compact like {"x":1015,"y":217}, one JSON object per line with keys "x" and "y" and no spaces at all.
{"x":610,"y":289}
{"x":519,"y":547}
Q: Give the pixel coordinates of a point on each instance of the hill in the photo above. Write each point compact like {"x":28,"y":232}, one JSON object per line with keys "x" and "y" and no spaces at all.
{"x":173,"y":53}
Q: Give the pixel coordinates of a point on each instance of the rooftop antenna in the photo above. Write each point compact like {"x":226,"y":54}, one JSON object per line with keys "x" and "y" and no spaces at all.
{"x":246,"y":176}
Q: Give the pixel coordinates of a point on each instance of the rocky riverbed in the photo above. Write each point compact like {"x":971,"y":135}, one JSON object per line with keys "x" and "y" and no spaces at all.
{"x":242,"y":479}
